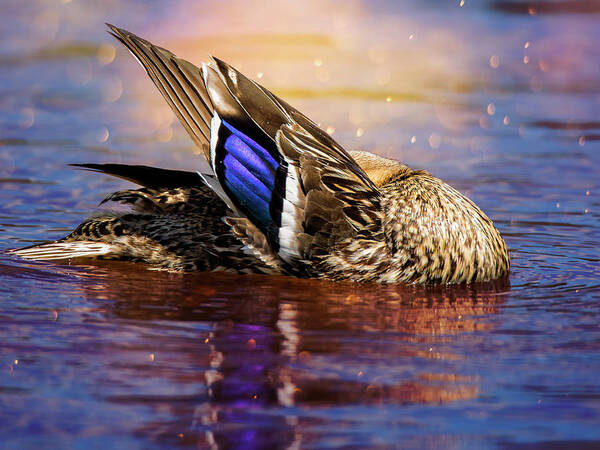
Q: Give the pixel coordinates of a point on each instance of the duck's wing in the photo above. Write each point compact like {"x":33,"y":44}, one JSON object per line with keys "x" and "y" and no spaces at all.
{"x":276,"y":168}
{"x":179,"y":81}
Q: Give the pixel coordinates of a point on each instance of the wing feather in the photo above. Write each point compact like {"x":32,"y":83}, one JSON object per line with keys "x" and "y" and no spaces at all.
{"x":179,"y":82}
{"x":151,"y":177}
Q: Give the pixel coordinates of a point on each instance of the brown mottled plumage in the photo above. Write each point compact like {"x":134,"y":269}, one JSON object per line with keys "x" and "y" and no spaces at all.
{"x":430,"y":233}
{"x":172,"y":228}
{"x":292,"y":200}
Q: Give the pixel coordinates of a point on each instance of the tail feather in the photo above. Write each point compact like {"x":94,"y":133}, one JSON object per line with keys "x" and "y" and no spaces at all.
{"x":63,"y":250}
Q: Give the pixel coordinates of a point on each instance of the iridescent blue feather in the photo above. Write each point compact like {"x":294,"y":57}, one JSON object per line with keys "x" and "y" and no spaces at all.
{"x":248,"y":172}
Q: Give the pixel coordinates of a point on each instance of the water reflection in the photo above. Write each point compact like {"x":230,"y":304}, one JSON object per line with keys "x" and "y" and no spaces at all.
{"x":274,"y":348}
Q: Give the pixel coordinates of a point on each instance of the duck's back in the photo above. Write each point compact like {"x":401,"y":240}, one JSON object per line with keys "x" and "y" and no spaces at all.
{"x":430,"y":233}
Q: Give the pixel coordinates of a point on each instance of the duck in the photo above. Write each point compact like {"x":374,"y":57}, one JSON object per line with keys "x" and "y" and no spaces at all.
{"x":281,"y":196}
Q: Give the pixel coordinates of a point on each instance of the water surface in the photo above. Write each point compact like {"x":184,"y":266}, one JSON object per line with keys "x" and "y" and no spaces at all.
{"x":499,"y":98}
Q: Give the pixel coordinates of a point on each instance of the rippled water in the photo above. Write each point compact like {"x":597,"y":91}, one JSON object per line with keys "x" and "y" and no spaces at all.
{"x":499,"y":98}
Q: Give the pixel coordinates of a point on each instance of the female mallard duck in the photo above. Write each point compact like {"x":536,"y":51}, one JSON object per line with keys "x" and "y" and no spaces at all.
{"x":293,"y":201}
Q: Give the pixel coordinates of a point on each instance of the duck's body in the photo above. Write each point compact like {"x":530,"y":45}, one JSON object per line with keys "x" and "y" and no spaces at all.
{"x":293,"y":201}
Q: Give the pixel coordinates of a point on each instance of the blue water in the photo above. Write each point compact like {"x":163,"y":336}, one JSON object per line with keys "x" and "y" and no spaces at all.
{"x":500,"y":99}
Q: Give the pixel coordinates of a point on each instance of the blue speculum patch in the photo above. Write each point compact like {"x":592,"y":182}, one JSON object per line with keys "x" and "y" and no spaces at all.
{"x":249,"y":174}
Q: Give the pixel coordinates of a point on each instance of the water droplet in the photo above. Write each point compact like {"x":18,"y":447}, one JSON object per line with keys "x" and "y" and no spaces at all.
{"x":113,"y":91}
{"x":102,"y":135}
{"x":435,"y":140}
{"x":323,"y":75}
{"x":105,"y":54}
{"x":494,"y":61}
{"x":27,"y":118}
{"x":165,"y":134}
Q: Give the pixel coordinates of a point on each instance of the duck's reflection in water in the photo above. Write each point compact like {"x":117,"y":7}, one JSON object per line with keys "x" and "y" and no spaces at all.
{"x":282,"y":352}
